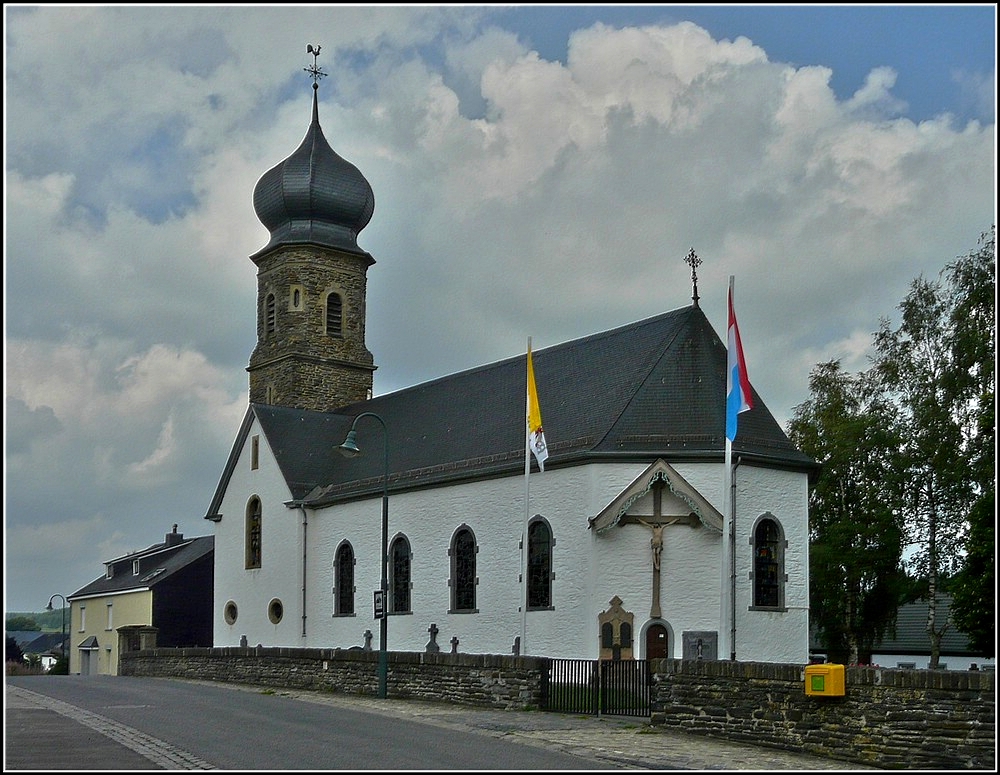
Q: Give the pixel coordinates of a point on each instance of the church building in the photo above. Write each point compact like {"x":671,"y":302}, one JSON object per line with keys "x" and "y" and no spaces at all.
{"x":617,"y":549}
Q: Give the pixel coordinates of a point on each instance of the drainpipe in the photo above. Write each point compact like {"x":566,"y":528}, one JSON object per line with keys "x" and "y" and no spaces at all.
{"x":305,"y":554}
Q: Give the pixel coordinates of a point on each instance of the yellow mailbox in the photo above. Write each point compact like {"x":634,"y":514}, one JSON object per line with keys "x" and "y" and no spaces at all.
{"x":825,"y":680}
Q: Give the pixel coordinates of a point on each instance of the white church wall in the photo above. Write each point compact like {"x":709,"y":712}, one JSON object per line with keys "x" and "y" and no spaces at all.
{"x":280,"y":573}
{"x":589,"y":569}
{"x":761,"y":635}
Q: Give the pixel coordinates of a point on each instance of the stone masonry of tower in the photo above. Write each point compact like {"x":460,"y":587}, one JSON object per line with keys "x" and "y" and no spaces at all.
{"x":299,"y":364}
{"x":314,"y":204}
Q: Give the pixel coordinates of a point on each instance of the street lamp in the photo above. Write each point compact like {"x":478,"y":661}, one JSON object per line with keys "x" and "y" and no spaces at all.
{"x":62,"y":644}
{"x":350,"y":449}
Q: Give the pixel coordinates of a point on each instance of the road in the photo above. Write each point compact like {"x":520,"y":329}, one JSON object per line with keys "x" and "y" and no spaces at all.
{"x":102,"y":722}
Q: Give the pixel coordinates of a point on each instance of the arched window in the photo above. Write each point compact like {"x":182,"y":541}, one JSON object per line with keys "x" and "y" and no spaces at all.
{"x":253,"y":530}
{"x":269,"y":314}
{"x":463,"y":570}
{"x":343,"y":583}
{"x":539,"y":564}
{"x":399,"y":575}
{"x":768,"y":564}
{"x":334,"y":315}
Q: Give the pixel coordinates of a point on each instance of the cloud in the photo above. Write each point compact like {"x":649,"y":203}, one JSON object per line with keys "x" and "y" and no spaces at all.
{"x":515,"y":196}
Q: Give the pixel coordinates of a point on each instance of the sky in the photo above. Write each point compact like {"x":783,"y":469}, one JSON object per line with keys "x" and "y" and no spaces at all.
{"x":539,"y":171}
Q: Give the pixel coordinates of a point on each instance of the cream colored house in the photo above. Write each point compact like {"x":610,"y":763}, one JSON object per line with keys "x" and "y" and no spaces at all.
{"x":164,"y":590}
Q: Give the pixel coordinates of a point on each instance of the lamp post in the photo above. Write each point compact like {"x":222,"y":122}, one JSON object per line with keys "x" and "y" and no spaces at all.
{"x":62,"y":644}
{"x":350,"y":449}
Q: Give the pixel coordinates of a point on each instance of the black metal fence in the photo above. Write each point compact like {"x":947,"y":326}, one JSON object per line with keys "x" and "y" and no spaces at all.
{"x":597,"y":686}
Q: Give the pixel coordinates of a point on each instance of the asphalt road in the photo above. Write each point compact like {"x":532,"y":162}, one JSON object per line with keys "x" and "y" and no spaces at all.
{"x":105,"y":723}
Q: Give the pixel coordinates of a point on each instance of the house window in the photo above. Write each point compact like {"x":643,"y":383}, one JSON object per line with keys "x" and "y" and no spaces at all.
{"x":110,"y":619}
{"x":343,"y":583}
{"x":334,"y":315}
{"x":83,"y":618}
{"x":399,"y":575}
{"x":253,"y":530}
{"x":269,"y":313}
{"x":254,"y":453}
{"x":768,"y":564}
{"x":463,"y":570}
{"x":539,"y":564}
{"x":109,"y":571}
{"x":230,"y":612}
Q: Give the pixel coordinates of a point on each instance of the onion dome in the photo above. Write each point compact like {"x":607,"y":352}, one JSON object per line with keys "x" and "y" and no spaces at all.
{"x":314,"y":196}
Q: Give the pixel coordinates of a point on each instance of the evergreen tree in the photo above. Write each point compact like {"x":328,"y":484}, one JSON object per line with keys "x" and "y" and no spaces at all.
{"x":12,"y":652}
{"x":856,"y":539}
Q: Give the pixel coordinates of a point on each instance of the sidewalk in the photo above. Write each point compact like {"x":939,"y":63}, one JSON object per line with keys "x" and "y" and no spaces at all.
{"x":45,"y":734}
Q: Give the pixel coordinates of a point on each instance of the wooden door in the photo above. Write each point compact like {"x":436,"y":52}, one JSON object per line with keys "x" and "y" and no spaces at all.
{"x":656,"y":642}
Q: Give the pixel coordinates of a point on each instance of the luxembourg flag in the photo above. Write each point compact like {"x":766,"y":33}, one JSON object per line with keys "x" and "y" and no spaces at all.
{"x":738,"y":395}
{"x":536,"y":436}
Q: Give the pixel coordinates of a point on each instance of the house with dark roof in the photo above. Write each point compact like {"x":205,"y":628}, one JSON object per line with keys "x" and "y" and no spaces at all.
{"x":633,"y":542}
{"x":165,"y":590}
{"x":909,"y":645}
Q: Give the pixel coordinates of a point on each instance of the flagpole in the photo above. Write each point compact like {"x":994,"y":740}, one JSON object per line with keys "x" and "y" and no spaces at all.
{"x":739,"y":399}
{"x":527,"y":508}
{"x":727,"y":603}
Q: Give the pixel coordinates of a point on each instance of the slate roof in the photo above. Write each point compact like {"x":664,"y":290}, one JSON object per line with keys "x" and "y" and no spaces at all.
{"x":23,"y":637}
{"x":44,"y":643}
{"x":171,"y":558}
{"x":654,"y":388}
{"x":911,"y":637}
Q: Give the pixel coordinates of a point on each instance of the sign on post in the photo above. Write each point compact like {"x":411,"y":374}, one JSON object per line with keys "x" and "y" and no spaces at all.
{"x":379,"y":603}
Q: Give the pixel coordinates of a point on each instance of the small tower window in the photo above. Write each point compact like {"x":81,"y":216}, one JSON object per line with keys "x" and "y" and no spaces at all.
{"x":334,"y":315}
{"x":296,"y":298}
{"x":269,"y":314}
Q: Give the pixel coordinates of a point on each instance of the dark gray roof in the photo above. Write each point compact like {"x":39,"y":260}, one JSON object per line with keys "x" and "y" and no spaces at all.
{"x":910,"y":636}
{"x":654,"y":388}
{"x":45,"y":642}
{"x":22,"y":637}
{"x":171,"y":558}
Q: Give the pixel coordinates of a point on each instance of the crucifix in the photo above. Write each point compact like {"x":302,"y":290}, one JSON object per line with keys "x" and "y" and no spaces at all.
{"x":656,"y":544}
{"x":694,"y":262}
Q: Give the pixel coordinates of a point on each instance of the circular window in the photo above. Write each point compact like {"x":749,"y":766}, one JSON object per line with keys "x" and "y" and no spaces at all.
{"x":229,"y":612}
{"x":275,"y":610}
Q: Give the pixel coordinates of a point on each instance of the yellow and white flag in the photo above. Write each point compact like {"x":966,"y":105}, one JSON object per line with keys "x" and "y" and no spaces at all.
{"x":536,"y":436}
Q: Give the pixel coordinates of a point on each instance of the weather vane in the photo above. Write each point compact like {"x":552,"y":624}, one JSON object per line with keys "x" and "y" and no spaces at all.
{"x":694,"y":262}
{"x":315,"y":71}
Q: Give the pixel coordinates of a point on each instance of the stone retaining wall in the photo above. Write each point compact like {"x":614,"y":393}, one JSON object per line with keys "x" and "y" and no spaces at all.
{"x":888,"y":718}
{"x":895,"y":719}
{"x":484,"y":680}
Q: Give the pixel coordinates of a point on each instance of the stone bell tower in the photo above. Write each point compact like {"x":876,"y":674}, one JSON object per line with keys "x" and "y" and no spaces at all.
{"x":312,"y":277}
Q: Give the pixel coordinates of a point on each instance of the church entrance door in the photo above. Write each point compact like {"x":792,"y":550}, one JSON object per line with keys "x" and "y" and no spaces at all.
{"x":656,"y":642}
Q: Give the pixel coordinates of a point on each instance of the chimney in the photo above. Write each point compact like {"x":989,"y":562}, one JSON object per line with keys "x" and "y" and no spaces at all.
{"x":174,"y":538}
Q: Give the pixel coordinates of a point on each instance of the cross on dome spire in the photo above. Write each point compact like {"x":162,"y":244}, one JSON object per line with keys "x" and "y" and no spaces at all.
{"x":694,"y":262}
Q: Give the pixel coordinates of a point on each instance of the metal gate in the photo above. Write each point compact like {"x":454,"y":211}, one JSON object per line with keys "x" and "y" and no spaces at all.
{"x":597,"y":687}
